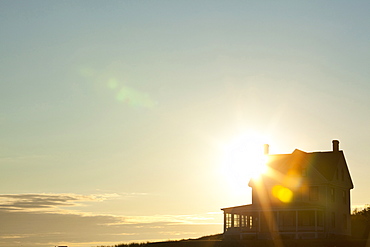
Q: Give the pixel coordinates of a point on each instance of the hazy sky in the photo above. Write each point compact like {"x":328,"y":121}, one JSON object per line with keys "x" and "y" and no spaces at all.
{"x":115,"y":115}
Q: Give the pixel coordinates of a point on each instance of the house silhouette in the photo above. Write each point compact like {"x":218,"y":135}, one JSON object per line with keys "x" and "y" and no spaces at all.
{"x":303,"y":195}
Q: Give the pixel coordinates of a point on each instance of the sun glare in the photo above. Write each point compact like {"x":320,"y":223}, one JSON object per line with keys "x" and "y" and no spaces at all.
{"x":282,"y":193}
{"x":244,"y":159}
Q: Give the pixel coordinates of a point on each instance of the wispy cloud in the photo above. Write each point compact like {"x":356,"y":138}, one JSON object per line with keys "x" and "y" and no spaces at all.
{"x":46,"y":202}
{"x":51,"y":219}
{"x":174,"y":219}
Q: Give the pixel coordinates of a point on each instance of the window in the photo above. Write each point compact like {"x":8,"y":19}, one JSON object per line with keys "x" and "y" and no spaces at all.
{"x":297,"y":196}
{"x":320,"y":218}
{"x":314,"y":193}
{"x":250,"y":222}
{"x":243,"y":220}
{"x":236,"y":220}
{"x":228,"y":220}
{"x":332,"y":194}
{"x":304,"y":172}
{"x":288,"y":218}
{"x":306,"y":218}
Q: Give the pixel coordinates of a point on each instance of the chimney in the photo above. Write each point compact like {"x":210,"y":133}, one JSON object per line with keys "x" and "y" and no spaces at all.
{"x":266,"y":149}
{"x":335,"y":145}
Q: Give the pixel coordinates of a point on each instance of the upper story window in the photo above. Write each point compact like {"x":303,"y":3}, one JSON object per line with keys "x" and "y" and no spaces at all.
{"x":304,"y":172}
{"x":297,"y":196}
{"x":332,"y":194}
{"x":314,"y":193}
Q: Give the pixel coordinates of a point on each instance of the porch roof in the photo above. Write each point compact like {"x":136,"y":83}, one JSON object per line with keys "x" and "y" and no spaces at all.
{"x":274,"y":207}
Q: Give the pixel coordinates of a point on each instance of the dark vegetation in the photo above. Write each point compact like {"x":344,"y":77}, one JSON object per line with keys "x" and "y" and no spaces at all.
{"x":360,"y":221}
{"x":201,"y":242}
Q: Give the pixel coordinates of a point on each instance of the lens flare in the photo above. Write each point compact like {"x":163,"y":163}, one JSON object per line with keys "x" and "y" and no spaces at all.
{"x":282,"y":193}
{"x":112,"y":83}
{"x":123,"y":93}
{"x":134,"y":97}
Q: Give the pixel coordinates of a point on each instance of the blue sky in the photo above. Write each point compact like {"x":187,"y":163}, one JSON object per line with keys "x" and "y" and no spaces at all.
{"x":118,"y":112}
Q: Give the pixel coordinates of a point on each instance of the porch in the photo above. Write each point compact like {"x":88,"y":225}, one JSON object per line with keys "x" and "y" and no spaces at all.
{"x":250,"y":222}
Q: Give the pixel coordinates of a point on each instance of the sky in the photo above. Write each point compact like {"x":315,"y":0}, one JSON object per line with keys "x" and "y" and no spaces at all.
{"x":116,"y":117}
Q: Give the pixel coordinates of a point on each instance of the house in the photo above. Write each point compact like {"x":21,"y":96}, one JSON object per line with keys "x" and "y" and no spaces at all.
{"x":303,"y":195}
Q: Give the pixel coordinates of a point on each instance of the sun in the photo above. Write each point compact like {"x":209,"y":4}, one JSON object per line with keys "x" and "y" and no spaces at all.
{"x":244,"y":159}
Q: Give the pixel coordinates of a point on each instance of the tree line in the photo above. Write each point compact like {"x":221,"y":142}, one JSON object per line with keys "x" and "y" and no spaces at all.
{"x":360,"y":221}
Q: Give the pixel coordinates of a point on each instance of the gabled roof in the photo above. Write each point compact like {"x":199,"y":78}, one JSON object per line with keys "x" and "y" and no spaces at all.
{"x":325,"y":163}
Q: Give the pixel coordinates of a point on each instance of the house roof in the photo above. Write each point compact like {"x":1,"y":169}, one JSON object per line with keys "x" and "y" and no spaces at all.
{"x":325,"y":163}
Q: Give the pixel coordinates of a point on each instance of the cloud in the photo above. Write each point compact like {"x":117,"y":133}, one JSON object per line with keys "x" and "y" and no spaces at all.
{"x":45,"y":202}
{"x":174,"y":219}
{"x":48,"y":220}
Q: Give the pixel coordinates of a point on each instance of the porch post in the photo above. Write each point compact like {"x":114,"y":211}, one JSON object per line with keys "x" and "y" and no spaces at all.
{"x":259,"y":221}
{"x":241,"y":218}
{"x":225,"y":221}
{"x":232,"y":220}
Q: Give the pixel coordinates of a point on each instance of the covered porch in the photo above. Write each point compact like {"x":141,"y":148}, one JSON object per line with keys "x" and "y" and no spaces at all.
{"x":251,"y":222}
